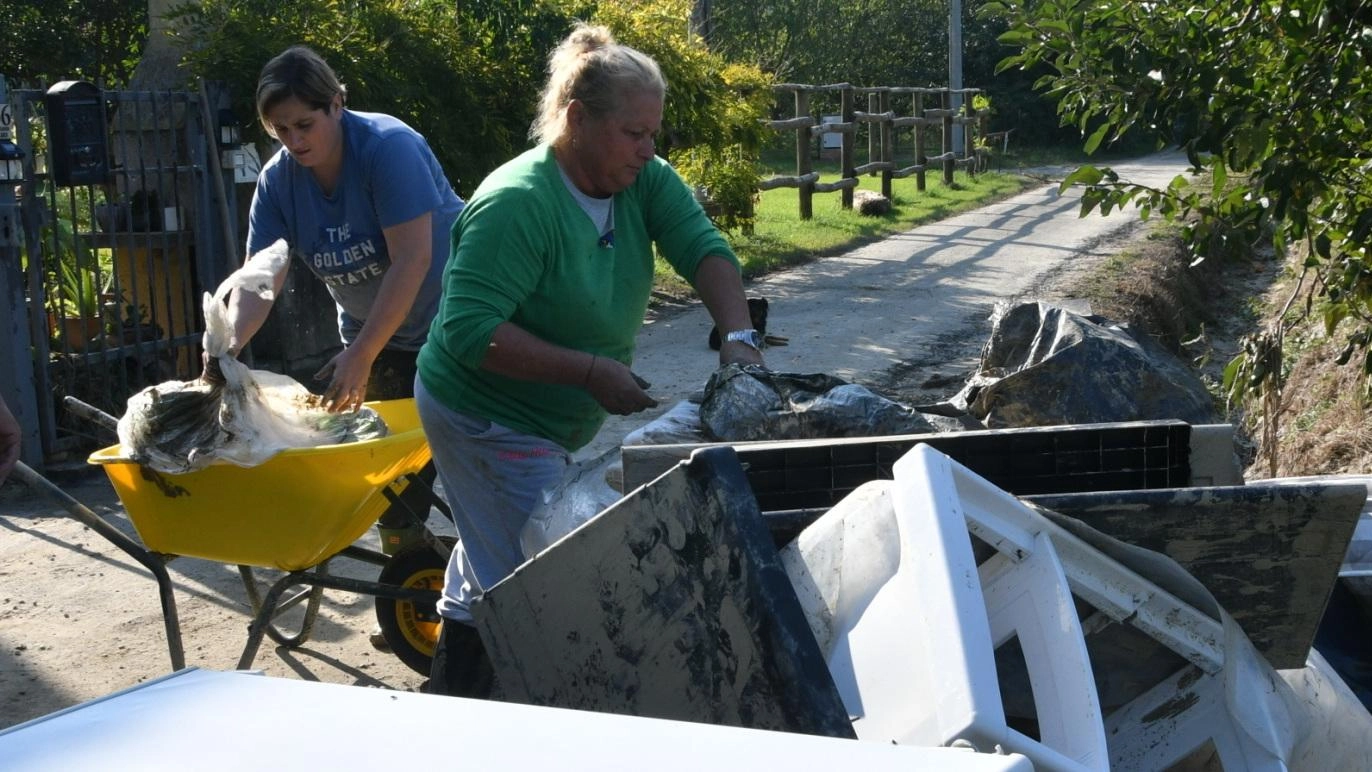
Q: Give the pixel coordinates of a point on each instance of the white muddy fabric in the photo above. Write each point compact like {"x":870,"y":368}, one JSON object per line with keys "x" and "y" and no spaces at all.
{"x":588,"y":487}
{"x":252,"y":417}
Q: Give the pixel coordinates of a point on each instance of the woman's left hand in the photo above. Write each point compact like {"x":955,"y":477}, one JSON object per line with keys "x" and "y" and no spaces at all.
{"x":616,"y":387}
{"x":348,"y":389}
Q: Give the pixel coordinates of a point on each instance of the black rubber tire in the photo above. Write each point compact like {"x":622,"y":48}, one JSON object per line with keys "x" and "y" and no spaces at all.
{"x":412,"y":628}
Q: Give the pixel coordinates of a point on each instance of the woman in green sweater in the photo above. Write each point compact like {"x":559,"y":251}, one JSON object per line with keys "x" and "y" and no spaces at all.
{"x":543,"y":297}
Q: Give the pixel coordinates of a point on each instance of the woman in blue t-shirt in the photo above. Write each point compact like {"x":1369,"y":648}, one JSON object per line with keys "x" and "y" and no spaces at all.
{"x":363,"y":203}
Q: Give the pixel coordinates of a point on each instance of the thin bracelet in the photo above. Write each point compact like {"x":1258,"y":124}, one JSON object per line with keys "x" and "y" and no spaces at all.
{"x":586,"y":383}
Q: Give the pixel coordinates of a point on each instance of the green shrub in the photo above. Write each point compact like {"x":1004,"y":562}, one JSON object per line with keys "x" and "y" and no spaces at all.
{"x":468,"y":81}
{"x":726,"y":178}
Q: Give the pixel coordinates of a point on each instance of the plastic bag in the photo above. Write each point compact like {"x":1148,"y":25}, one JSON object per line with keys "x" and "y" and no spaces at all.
{"x":181,"y":426}
{"x":1045,"y":365}
{"x":748,"y":402}
{"x":585,"y":491}
{"x":678,"y":426}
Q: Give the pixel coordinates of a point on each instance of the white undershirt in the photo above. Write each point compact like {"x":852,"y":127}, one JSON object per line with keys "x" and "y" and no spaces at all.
{"x":600,"y":210}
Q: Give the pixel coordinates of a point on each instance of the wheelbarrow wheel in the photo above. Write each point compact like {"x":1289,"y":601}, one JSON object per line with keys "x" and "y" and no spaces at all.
{"x":409,"y":627}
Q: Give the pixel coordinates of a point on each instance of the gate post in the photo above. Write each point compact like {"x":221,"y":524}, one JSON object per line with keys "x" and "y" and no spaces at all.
{"x":16,"y":365}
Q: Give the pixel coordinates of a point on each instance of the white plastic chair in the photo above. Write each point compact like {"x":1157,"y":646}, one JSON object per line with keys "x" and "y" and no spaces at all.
{"x":1184,"y":714}
{"x":911,"y":633}
{"x":1229,"y":698}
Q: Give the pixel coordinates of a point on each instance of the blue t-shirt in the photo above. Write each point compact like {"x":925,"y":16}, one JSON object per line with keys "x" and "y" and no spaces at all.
{"x":389,"y":176}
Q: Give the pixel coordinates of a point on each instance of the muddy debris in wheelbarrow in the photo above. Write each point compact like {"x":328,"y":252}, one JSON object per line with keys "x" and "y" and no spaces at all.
{"x":241,"y":415}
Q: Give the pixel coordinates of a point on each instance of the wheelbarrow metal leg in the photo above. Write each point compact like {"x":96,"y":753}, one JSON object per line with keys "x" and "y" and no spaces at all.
{"x":314,"y":594}
{"x":267,"y":609}
{"x":272,"y":600}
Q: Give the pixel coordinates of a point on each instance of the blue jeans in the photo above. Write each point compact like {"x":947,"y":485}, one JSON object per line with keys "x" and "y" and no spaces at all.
{"x":493,"y":478}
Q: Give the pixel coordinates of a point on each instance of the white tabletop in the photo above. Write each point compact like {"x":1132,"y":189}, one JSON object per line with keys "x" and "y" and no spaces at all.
{"x":206,"y":720}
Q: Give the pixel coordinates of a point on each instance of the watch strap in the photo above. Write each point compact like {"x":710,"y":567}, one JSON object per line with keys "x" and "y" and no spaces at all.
{"x":749,"y":336}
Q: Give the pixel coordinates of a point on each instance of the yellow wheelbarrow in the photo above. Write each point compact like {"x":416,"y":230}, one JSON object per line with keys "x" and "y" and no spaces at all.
{"x":295,"y":512}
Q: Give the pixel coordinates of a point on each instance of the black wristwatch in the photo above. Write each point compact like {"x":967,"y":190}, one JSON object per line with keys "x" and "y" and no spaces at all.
{"x":751,"y":337}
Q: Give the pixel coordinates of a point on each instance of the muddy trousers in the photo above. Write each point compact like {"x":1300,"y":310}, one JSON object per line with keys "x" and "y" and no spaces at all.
{"x":461,"y":667}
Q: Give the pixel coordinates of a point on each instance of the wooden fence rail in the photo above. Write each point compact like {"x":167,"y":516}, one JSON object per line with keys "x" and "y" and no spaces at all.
{"x":881,"y":123}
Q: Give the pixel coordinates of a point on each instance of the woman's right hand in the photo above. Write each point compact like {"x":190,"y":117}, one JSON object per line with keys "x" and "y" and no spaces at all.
{"x":616,"y":388}
{"x":210,"y":371}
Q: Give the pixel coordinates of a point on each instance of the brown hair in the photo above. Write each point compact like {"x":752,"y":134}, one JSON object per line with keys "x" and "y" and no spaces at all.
{"x":296,"y":72}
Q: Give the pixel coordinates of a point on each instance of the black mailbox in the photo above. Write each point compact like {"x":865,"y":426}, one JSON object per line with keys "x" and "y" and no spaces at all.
{"x":78,"y":135}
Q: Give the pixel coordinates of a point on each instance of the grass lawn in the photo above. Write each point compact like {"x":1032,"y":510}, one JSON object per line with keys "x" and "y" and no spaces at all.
{"x":780,"y":238}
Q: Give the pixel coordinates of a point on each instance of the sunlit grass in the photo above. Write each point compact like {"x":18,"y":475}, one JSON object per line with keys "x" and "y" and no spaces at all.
{"x":781,"y":239}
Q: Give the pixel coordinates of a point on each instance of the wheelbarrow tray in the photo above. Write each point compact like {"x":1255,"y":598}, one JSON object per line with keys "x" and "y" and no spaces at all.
{"x":293,"y":511}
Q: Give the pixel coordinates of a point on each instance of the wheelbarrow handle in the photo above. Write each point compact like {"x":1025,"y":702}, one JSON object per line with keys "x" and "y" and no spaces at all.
{"x":91,"y":413}
{"x":25,"y":474}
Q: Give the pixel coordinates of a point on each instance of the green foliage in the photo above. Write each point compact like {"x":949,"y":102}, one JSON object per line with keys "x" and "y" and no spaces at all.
{"x":70,"y":267}
{"x":709,"y":101}
{"x":880,"y":43}
{"x":864,"y":42}
{"x":1271,"y":98}
{"x":728,"y":178}
{"x":73,"y":268}
{"x":467,"y":75}
{"x":467,"y":81}
{"x":52,"y":40}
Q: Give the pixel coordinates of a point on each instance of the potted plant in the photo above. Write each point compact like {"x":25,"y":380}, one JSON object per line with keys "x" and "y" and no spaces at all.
{"x":74,"y":312}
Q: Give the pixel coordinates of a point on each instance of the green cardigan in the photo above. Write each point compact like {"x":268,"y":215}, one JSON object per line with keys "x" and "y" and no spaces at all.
{"x":525,"y":252}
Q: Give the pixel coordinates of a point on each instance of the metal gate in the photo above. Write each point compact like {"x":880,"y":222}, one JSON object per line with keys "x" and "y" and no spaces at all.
{"x":126,"y":221}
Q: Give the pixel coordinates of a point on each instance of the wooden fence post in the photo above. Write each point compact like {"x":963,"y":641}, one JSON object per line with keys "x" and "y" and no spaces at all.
{"x":873,"y":138}
{"x":803,"y":167}
{"x":887,"y":135}
{"x":949,"y":159}
{"x":969,"y":126}
{"x":921,"y":158}
{"x":881,"y":142}
{"x":846,"y":153}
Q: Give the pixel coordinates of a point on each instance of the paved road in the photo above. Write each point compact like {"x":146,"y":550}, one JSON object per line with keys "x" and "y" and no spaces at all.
{"x":79,"y":620}
{"x":920,"y":299}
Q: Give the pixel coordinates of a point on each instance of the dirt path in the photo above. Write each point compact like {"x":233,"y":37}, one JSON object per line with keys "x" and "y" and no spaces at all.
{"x":79,"y":619}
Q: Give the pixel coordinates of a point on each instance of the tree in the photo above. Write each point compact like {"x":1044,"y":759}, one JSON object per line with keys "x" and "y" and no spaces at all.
{"x":466,"y":80}
{"x":467,"y":75}
{"x":880,"y":43}
{"x":51,"y":40}
{"x":1272,"y":98}
{"x":864,"y":42}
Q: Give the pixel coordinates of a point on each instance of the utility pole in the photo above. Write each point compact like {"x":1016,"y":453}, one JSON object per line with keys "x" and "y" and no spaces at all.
{"x":955,"y":63}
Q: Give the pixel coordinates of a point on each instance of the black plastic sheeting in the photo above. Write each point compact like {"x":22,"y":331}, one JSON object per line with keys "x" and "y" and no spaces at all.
{"x":748,"y":402}
{"x":1044,"y":366}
